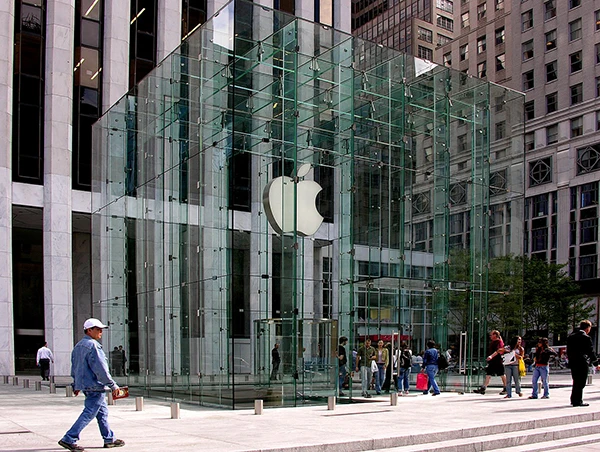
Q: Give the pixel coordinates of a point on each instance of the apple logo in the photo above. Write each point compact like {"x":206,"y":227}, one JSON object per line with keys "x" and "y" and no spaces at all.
{"x":278,"y":200}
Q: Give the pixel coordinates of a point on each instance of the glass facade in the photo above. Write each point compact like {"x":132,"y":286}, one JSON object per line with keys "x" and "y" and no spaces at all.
{"x":337,"y":135}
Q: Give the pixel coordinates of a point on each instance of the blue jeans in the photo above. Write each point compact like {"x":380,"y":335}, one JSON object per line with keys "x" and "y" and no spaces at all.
{"x":540,"y":371}
{"x":431,"y":370}
{"x":404,"y":379}
{"x":342,"y":377}
{"x":379,"y":377}
{"x":94,"y":407}
{"x":512,"y":373}
{"x":365,"y":378}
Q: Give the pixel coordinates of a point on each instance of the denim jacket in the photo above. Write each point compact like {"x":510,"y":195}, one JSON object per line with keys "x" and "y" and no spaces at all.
{"x":89,"y":367}
{"x":430,"y":358}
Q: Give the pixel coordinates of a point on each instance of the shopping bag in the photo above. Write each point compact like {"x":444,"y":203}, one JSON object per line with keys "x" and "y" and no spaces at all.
{"x":374,"y":367}
{"x":422,"y":381}
{"x":522,"y":369}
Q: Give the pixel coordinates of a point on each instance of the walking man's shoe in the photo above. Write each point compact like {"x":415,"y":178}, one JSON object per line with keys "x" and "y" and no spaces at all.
{"x":115,"y":443}
{"x":70,"y":446}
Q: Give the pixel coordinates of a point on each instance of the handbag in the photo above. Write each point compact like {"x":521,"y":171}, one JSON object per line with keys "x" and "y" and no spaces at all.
{"x":422,"y":381}
{"x":522,"y":369}
{"x":374,"y":367}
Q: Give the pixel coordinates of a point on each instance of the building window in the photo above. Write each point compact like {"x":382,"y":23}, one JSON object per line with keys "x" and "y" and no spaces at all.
{"x":551,"y":71}
{"x":447,"y":59}
{"x":576,"y":126}
{"x":464,"y":20}
{"x":588,"y":267}
{"x":551,"y":40}
{"x":425,"y":53}
{"x":576,"y":94}
{"x":540,"y":172}
{"x":549,"y":9}
{"x":482,"y":69}
{"x":597,"y":86}
{"x":424,"y":34}
{"x":481,"y":45}
{"x":463,"y":51}
{"x":528,"y":80}
{"x":574,"y":3}
{"x":445,"y":5}
{"x":576,"y":64}
{"x":551,"y":102}
{"x":552,"y":134}
{"x":500,"y":36}
{"x":442,"y":39}
{"x":527,"y":20}
{"x":500,"y":130}
{"x":499,"y":4}
{"x":588,"y":159}
{"x":458,"y":193}
{"x":597,"y":53}
{"x":498,"y":182}
{"x":500,"y":62}
{"x":529,"y":110}
{"x":527,"y":49}
{"x":597,"y":14}
{"x":481,"y":10}
{"x":421,"y":203}
{"x":598,"y":120}
{"x":529,"y":141}
{"x":575,"y":30}
{"x":193,"y":14}
{"x":461,"y":143}
{"x":445,"y":23}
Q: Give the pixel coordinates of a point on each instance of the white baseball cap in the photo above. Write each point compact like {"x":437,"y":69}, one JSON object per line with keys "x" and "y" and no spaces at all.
{"x":91,"y":323}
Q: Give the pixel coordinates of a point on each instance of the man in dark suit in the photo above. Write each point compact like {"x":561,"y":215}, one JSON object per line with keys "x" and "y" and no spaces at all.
{"x":581,"y":354}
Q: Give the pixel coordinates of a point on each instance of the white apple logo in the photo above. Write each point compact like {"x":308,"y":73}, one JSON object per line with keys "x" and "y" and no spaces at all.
{"x":278,"y":200}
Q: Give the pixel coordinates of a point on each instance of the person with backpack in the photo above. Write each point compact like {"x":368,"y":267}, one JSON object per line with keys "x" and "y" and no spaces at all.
{"x":430,"y":367}
{"x":404,"y":369}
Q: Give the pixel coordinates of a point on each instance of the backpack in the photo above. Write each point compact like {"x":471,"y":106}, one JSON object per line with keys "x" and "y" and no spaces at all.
{"x":405,"y":359}
{"x":442,"y":361}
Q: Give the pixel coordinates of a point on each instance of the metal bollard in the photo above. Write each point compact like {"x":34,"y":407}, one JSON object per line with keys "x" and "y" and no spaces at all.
{"x":52,"y":388}
{"x":331,"y":403}
{"x":394,"y":398}
{"x":69,"y":391}
{"x":111,"y":400}
{"x":26,"y":382}
{"x":139,"y":404}
{"x":589,"y":379}
{"x":52,"y":379}
{"x":258,"y":406}
{"x":15,"y":381}
{"x":5,"y":379}
{"x":175,"y":410}
{"x":540,"y":389}
{"x":38,"y":385}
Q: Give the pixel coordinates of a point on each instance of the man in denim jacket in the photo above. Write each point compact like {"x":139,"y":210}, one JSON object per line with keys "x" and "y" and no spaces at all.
{"x":89,"y":370}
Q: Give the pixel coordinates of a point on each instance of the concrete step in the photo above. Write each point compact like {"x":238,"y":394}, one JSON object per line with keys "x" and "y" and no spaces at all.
{"x":560,"y":444}
{"x":571,"y":430}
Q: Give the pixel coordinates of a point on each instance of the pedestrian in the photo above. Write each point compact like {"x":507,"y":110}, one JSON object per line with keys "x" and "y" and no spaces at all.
{"x":581,"y":355}
{"x":115,"y":361}
{"x":123,"y":361}
{"x":540,"y":370}
{"x":382,"y":358}
{"x":89,"y":370}
{"x":404,"y":369}
{"x":342,"y":361}
{"x":275,"y":361}
{"x":364,"y":357}
{"x":513,"y":353}
{"x":430,"y":367}
{"x":42,"y":360}
{"x":495,"y":367}
{"x":388,"y":370}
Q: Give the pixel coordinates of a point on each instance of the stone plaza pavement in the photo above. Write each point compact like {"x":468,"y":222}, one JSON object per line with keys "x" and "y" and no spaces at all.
{"x":33,"y":420}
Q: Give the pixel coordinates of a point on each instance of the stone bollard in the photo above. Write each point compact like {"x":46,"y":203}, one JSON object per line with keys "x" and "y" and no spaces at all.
{"x":331,"y":403}
{"x":5,"y":379}
{"x":26,"y":383}
{"x":52,"y":388}
{"x":38,"y":385}
{"x":69,"y":391}
{"x":175,"y":410}
{"x":52,"y":379}
{"x":394,"y":398}
{"x":139,"y":404}
{"x":111,"y":400}
{"x":258,"y":406}
{"x":15,"y":381}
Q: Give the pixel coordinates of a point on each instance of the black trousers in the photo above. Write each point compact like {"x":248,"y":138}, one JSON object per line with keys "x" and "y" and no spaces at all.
{"x":44,"y":368}
{"x":579,"y":374}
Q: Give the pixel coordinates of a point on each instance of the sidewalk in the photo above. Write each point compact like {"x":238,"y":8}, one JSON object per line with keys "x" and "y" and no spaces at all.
{"x":34,"y":421}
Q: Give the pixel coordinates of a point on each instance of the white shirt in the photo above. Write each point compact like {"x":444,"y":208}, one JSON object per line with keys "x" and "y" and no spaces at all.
{"x":44,"y":353}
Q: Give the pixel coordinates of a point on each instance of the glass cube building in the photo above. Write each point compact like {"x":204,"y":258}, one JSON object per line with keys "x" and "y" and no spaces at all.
{"x":276,"y":181}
